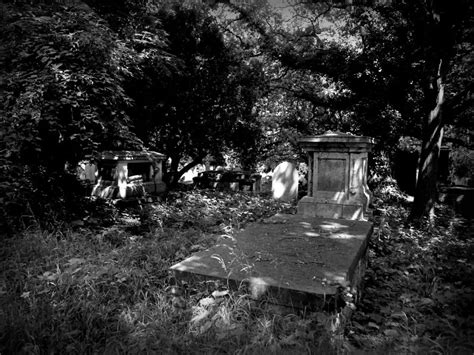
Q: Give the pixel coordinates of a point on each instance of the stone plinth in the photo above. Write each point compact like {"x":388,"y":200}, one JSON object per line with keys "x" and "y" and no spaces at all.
{"x":296,"y":260}
{"x":337,"y":177}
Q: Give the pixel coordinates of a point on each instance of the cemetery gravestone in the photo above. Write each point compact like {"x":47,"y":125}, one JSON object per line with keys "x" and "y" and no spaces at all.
{"x":285,"y":182}
{"x":301,"y":260}
{"x":337,"y":186}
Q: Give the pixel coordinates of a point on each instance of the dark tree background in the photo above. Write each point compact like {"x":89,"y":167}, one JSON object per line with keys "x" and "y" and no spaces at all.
{"x":190,"y":80}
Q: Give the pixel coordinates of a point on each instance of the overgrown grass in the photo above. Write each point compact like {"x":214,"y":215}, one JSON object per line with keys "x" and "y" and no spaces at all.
{"x":419,"y":288}
{"x":98,"y":288}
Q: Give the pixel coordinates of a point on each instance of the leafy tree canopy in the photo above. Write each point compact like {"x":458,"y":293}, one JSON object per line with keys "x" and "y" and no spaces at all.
{"x":205,"y":104}
{"x":385,"y":68}
{"x":63,"y":72}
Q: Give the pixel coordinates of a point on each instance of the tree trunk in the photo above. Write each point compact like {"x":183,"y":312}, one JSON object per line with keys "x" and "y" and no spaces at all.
{"x":441,"y":37}
{"x":175,"y":174}
{"x":426,"y":192}
{"x":187,"y":167}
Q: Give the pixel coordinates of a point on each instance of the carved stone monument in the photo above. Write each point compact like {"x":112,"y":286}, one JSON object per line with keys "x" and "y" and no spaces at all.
{"x":300,"y":260}
{"x":337,"y":177}
{"x":285,"y":182}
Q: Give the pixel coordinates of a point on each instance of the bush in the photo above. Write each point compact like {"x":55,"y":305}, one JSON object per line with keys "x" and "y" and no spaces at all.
{"x":462,"y":165}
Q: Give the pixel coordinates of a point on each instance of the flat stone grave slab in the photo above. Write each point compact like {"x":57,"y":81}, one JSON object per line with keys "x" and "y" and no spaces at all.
{"x":297,"y":260}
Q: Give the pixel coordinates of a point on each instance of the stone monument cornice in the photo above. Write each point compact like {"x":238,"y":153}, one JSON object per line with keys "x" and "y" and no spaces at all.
{"x":336,"y":142}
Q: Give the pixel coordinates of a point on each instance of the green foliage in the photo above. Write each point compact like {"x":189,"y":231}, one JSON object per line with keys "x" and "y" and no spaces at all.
{"x":189,"y":82}
{"x":207,"y":210}
{"x":380,"y":173}
{"x":75,"y":84}
{"x":108,"y":289}
{"x":418,"y":284}
{"x":332,"y":69}
{"x":378,"y":70}
{"x":62,"y":99}
{"x":63,"y":80}
{"x":462,"y":164}
{"x":409,"y":144}
{"x":203,"y":105}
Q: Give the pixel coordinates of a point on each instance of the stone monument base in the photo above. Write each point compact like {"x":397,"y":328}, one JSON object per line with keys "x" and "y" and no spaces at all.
{"x":312,"y":207}
{"x":295,"y":260}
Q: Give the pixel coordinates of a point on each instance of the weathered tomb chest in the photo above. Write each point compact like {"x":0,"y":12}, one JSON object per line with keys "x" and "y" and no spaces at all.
{"x":129,"y":174}
{"x":337,"y":177}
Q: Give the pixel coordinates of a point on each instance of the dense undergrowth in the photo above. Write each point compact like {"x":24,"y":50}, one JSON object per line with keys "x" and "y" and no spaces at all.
{"x":102,"y":285}
{"x":419,"y":285}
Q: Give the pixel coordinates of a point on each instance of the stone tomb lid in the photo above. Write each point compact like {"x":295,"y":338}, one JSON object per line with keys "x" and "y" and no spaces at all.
{"x":286,"y":255}
{"x":334,"y":140}
{"x":131,"y":155}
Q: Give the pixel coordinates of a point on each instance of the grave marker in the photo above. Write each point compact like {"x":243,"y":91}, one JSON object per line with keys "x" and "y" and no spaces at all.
{"x":285,"y":182}
{"x":301,"y":260}
{"x":337,"y":186}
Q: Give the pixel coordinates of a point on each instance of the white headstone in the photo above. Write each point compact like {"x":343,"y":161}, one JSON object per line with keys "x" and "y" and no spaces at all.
{"x":285,"y":182}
